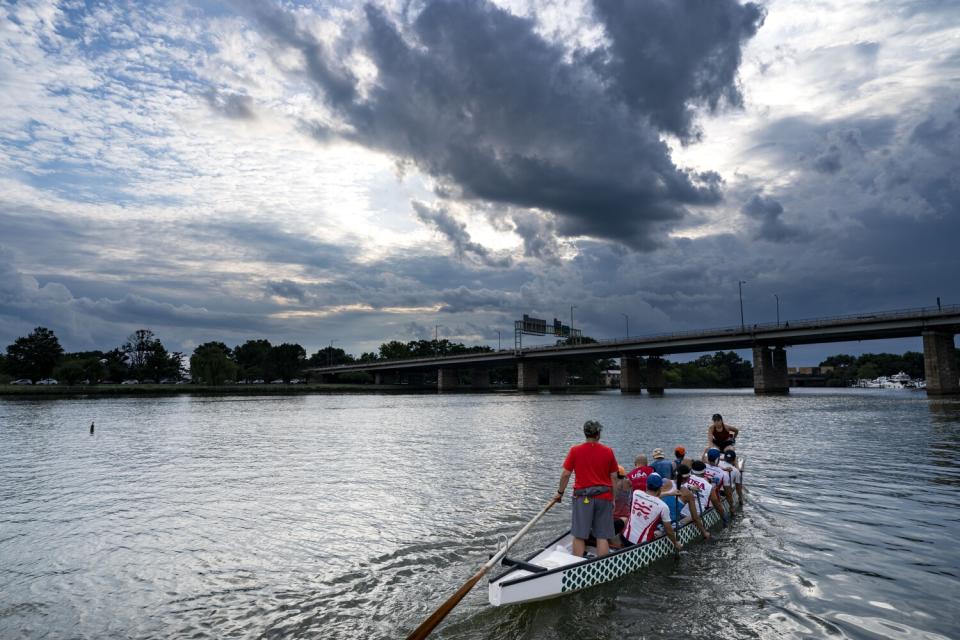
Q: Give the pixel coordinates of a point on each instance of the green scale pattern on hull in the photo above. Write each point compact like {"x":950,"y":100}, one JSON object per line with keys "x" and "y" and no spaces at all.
{"x":620,"y":564}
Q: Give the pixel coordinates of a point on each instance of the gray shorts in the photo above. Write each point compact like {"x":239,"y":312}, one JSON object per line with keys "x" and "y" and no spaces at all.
{"x":593,"y":515}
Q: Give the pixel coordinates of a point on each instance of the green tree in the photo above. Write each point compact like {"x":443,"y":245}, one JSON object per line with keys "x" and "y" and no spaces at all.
{"x":211,"y":363}
{"x":286,"y":361}
{"x":329,"y":356}
{"x":868,"y":371}
{"x":115,"y":364}
{"x":160,"y":364}
{"x":34,"y":356}
{"x":394,"y":350}
{"x":138,"y":347}
{"x":252,"y":357}
{"x":69,"y":371}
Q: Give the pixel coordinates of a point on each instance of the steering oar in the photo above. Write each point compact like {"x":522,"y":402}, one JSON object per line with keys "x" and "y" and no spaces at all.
{"x":437,"y":616}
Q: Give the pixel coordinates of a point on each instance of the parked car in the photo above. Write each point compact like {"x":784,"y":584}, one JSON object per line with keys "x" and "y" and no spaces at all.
{"x":47,"y":381}
{"x":168,"y":381}
{"x":22,"y":381}
{"x":130,"y":382}
{"x":277,"y":381}
{"x":257,"y":381}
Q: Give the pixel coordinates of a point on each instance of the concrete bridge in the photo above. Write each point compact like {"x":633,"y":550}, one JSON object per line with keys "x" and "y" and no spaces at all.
{"x":769,"y":342}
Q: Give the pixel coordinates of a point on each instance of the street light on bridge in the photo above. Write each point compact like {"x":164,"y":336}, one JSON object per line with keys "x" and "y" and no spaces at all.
{"x":740,"y":284}
{"x":778,"y":308}
{"x":572,"y":307}
{"x":626,"y":319}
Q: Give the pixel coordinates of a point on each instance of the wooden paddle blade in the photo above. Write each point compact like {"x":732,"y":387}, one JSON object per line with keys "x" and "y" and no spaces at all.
{"x":430,"y":623}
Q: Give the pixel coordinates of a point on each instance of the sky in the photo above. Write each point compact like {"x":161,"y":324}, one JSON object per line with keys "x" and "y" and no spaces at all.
{"x":353,"y":173}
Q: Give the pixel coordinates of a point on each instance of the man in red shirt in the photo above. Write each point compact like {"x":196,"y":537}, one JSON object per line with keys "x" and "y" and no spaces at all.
{"x":594,"y":468}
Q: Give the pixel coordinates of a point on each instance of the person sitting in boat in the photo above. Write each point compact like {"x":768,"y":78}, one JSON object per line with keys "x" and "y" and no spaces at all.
{"x":729,"y":465}
{"x":622,"y":492}
{"x":679,"y":457}
{"x":642,"y":469}
{"x":647,"y":511}
{"x":679,"y":493}
{"x":661,"y":465}
{"x":719,"y":477}
{"x":720,"y":434}
{"x":704,"y":491}
{"x":594,"y":468}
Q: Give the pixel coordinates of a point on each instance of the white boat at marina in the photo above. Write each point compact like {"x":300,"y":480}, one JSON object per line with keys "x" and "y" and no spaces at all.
{"x":900,"y":380}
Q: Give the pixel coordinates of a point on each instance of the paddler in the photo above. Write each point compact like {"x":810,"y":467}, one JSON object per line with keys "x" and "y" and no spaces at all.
{"x":729,"y":464}
{"x":719,"y":477}
{"x":680,"y":494}
{"x":594,"y":468}
{"x":646,"y":512}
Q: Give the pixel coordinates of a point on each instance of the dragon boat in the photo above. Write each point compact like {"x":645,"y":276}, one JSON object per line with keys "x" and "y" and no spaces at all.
{"x":554,"y":571}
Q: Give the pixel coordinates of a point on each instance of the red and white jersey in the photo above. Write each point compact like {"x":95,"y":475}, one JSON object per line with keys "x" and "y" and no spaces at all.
{"x":646,"y":512}
{"x":701,"y":488}
{"x":733,"y":474}
{"x":717,"y":476}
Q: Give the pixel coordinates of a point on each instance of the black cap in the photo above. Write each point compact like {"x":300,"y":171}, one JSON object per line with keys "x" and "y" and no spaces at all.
{"x":730,"y":456}
{"x":698,"y":467}
{"x":682,"y":470}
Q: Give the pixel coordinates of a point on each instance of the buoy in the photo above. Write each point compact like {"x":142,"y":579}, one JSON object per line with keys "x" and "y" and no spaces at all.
{"x":91,"y":428}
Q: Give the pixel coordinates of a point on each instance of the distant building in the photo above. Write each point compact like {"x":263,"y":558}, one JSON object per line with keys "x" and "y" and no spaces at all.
{"x":611,"y":377}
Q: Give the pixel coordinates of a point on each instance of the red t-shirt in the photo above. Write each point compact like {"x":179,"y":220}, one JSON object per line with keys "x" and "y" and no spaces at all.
{"x":591,"y":464}
{"x":638,"y":477}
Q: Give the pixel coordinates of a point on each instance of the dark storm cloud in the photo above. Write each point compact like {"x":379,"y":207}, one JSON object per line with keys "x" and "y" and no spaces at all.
{"x":668,"y":58}
{"x":232,"y":105}
{"x":767,"y":212}
{"x":476,"y":97}
{"x":287,"y":289}
{"x":264,"y":241}
{"x":456,"y":232}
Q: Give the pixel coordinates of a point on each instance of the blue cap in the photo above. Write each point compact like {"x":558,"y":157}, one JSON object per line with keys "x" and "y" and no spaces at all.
{"x":654,"y":481}
{"x":713,"y":454}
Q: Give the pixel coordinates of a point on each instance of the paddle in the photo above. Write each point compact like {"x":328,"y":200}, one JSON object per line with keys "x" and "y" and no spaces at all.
{"x":437,"y":616}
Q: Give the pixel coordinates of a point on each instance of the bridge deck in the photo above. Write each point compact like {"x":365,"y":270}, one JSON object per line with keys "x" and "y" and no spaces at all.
{"x":865,"y":326}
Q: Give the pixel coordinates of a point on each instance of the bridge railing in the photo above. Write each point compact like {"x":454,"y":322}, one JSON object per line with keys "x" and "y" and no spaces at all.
{"x":806,"y":323}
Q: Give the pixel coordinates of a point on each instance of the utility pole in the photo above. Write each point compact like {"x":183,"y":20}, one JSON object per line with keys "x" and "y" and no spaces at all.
{"x":778,"y":309}
{"x":626,"y":319}
{"x":498,"y":339}
{"x":572,"y":307}
{"x":740,"y":284}
{"x":436,"y":341}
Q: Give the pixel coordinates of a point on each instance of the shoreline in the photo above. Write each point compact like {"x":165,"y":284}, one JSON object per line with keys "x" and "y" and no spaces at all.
{"x":56,"y":391}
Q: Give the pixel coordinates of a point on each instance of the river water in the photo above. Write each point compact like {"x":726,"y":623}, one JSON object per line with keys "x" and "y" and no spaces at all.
{"x":349,"y":516}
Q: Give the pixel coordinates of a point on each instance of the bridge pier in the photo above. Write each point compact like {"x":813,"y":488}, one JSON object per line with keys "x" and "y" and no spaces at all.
{"x":385,"y":378}
{"x":630,"y":375}
{"x":939,"y":365}
{"x":656,"y":381}
{"x":770,"y":370}
{"x":527,"y":376}
{"x":479,"y":378}
{"x":447,"y":379}
{"x":558,"y":376}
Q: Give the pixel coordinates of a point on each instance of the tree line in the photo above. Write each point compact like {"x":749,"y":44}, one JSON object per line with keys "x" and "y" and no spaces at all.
{"x":143,"y":357}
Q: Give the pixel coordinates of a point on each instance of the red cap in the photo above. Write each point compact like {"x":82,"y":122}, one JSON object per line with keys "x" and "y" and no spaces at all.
{"x":680,"y":451}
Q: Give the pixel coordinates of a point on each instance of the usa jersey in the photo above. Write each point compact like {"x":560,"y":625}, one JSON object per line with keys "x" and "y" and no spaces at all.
{"x":717,"y":476}
{"x":646,"y":512}
{"x":733,"y":474}
{"x":701,"y":488}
